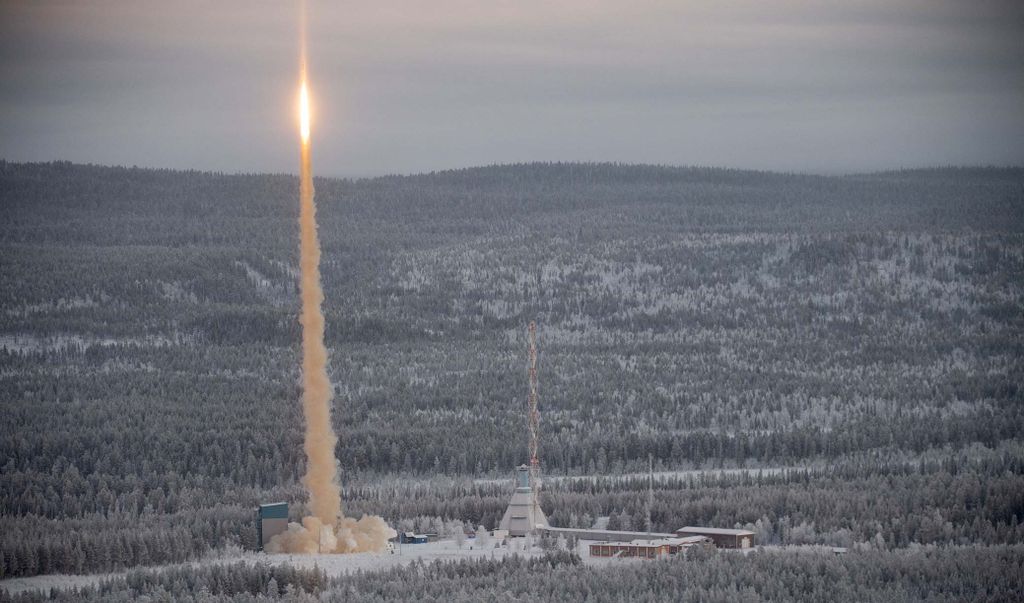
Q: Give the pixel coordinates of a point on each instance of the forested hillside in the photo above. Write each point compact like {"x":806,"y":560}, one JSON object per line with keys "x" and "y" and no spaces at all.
{"x":865,"y":332}
{"x":921,"y":574}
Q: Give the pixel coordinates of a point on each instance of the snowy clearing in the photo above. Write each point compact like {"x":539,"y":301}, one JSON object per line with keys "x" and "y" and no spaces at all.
{"x":338,"y":565}
{"x":334,"y":565}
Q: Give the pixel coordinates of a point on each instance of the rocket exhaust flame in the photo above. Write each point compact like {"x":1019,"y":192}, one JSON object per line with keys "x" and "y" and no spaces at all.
{"x":304,"y":111}
{"x":326,"y":530}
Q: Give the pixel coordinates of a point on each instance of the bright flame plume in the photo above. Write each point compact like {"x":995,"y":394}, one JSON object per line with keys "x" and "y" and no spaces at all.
{"x":304,"y":112}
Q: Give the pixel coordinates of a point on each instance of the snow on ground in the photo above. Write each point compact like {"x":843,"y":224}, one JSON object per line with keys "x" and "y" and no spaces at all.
{"x":404,"y":554}
{"x":334,"y":565}
{"x":338,"y":565}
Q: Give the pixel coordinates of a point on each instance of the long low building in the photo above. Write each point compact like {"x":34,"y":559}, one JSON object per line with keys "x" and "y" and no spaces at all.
{"x":607,"y":535}
{"x":647,"y":549}
{"x":722,"y":537}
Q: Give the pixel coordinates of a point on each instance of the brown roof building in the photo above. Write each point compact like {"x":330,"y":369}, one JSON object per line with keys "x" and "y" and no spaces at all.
{"x":722,"y":537}
{"x":647,"y":549}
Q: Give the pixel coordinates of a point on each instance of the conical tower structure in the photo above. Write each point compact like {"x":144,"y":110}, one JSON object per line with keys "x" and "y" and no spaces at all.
{"x":524,"y":515}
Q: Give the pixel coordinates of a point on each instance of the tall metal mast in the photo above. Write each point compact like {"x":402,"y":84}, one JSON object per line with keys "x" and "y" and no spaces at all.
{"x":534,"y":420}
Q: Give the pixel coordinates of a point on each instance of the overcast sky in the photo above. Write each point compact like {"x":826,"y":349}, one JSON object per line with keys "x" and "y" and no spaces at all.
{"x":399,"y":87}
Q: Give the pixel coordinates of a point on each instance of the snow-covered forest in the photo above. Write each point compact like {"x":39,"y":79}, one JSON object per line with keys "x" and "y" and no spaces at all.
{"x":948,"y":574}
{"x":853,"y":342}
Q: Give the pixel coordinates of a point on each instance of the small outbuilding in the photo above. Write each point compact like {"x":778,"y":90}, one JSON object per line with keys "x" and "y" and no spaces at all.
{"x":722,"y":537}
{"x":271,"y":520}
{"x":411,"y":538}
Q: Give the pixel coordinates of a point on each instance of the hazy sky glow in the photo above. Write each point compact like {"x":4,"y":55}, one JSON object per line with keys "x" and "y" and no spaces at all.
{"x":820,"y":86}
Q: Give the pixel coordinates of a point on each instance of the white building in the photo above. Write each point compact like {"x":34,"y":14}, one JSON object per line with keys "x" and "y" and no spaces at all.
{"x":523,"y":515}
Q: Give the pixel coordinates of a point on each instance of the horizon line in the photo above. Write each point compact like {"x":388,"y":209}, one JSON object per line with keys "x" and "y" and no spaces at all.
{"x":623,"y":164}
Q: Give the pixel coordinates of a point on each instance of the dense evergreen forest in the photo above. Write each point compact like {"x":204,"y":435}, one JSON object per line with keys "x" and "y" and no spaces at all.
{"x":853,"y":342}
{"x":920,"y":574}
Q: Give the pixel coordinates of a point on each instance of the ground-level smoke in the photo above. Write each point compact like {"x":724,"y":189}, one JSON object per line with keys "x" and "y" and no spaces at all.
{"x":326,"y":529}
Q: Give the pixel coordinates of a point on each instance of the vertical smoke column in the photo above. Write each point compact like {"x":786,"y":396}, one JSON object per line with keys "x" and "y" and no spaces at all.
{"x":326,"y":530}
{"x":321,"y":477}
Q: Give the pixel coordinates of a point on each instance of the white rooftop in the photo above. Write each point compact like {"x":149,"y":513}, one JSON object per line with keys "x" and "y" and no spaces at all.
{"x":670,"y":541}
{"x":597,"y":532}
{"x":722,"y":531}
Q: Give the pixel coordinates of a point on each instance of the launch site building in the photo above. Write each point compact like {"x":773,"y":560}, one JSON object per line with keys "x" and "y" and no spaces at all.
{"x":658,"y":548}
{"x":271,"y":520}
{"x":523,"y":515}
{"x":722,"y":537}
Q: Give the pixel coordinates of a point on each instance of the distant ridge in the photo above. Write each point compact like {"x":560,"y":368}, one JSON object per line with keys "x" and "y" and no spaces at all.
{"x":36,"y":199}
{"x":613,"y":171}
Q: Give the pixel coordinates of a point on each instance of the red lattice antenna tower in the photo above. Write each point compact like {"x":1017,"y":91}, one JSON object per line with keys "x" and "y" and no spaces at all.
{"x":534,"y":418}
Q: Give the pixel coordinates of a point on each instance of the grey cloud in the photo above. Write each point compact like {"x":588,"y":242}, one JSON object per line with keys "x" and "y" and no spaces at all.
{"x":399,"y":87}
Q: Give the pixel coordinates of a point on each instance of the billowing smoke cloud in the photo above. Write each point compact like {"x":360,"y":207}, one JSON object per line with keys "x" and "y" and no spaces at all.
{"x":326,"y":530}
{"x":368,"y":534}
